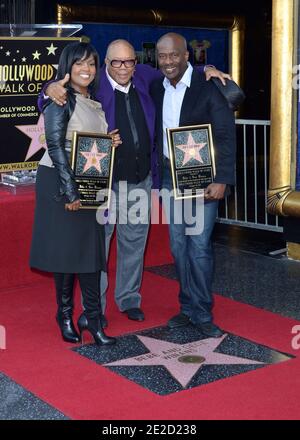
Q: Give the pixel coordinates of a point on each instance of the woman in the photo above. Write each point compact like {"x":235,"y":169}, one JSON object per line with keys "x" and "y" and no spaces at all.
{"x":66,"y":240}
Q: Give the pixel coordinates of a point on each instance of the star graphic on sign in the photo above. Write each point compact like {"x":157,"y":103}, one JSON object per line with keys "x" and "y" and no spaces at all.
{"x":7,"y":53}
{"x":182,"y":360}
{"x":93,"y":158}
{"x":17,"y":51}
{"x":24,"y":59}
{"x":36,"y":55}
{"x":37,"y":134}
{"x":51,"y":49}
{"x":191,"y":150}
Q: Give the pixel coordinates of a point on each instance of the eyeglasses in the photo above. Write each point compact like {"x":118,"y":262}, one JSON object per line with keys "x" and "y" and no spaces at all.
{"x":118,"y":63}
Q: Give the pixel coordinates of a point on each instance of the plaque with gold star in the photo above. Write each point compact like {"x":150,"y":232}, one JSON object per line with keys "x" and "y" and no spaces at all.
{"x":192,"y":161}
{"x":92,"y":160}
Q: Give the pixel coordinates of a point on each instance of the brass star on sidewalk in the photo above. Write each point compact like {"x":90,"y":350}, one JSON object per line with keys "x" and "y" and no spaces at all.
{"x":182,"y":360}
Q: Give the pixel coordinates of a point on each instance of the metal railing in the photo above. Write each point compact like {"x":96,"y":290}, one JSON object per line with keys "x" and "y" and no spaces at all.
{"x":247,"y":205}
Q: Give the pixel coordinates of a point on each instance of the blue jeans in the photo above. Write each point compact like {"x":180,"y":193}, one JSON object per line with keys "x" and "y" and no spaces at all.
{"x":193,"y":255}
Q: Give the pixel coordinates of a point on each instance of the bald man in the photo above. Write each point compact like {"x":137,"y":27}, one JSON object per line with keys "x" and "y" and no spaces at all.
{"x":125,"y":97}
{"x":184,"y":98}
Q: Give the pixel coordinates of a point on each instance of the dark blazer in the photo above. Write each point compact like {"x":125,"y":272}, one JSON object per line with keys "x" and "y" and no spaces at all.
{"x":202,"y":104}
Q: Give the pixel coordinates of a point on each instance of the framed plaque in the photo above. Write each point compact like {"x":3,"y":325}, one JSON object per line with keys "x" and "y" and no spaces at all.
{"x":192,"y":159}
{"x":92,"y":159}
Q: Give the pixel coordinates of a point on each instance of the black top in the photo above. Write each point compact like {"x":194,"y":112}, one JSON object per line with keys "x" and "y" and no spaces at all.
{"x":132,"y":160}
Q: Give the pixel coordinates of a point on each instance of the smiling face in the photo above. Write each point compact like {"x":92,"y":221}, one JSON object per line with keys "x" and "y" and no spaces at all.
{"x":172,"y":57}
{"x":122,"y":52}
{"x":83,"y":73}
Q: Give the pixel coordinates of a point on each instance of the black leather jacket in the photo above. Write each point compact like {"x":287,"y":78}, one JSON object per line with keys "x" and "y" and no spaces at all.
{"x":56,"y":122}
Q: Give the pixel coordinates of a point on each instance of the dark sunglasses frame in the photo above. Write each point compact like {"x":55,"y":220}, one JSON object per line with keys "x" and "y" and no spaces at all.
{"x":119,"y":63}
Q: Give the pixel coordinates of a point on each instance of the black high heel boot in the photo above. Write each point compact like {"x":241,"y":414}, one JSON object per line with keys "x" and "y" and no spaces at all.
{"x":93,"y":325}
{"x":67,"y":328}
{"x":64,"y":297}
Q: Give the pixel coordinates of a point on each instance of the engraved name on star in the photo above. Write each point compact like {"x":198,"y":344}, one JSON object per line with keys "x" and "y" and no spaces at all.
{"x":191,"y":150}
{"x":51,"y":49}
{"x":37,"y":134}
{"x":36,"y":55}
{"x":93,"y":158}
{"x":183,"y":360}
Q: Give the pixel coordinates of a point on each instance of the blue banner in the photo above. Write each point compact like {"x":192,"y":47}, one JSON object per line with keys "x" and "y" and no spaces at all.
{"x":206,"y":46}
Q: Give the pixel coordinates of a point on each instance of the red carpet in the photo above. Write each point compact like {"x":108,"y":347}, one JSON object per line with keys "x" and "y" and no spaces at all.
{"x":37,"y":359}
{"x":15,"y":228}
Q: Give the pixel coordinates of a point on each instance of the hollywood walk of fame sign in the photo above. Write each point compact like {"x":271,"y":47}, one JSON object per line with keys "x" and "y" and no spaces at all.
{"x":26,"y":64}
{"x":92,"y":159}
{"x":192,"y":162}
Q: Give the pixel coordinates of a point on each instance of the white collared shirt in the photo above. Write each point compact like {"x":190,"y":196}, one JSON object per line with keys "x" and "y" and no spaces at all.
{"x":115,"y":85}
{"x":172,"y":104}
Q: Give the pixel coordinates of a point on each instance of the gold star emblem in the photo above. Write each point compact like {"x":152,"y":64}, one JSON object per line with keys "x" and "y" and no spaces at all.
{"x":36,"y":55}
{"x":51,"y":49}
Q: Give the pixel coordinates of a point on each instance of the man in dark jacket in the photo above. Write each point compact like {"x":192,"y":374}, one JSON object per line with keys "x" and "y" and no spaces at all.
{"x":184,"y":98}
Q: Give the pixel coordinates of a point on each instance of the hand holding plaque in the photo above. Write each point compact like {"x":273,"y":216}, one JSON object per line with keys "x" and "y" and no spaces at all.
{"x":192,"y":159}
{"x":92,"y":160}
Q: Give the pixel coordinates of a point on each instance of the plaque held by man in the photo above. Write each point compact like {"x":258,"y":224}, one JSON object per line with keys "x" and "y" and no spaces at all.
{"x":192,"y":161}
